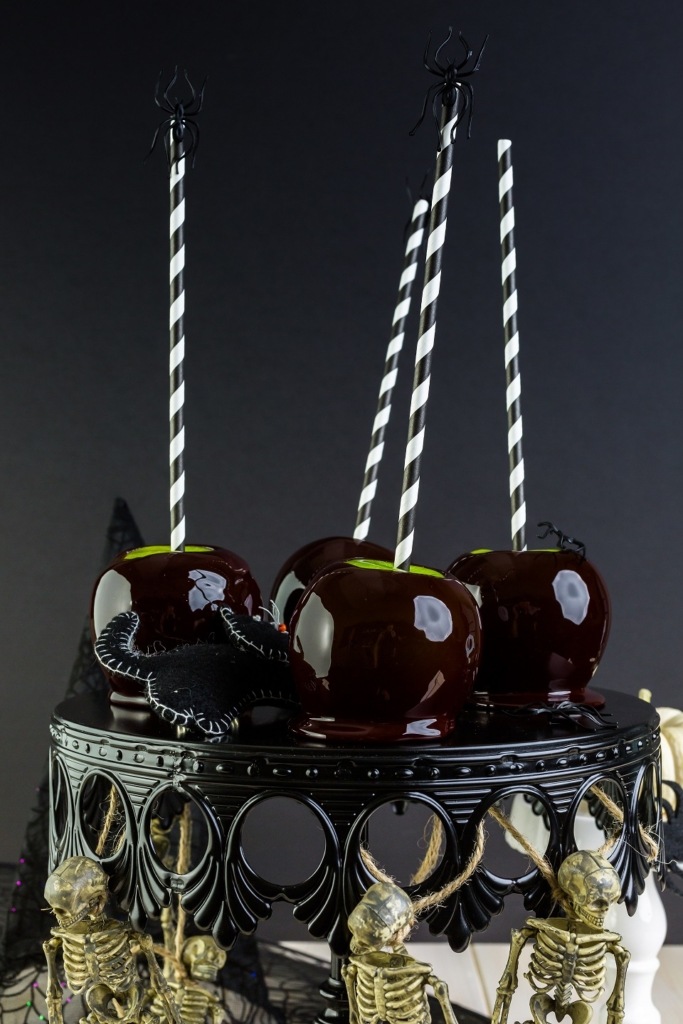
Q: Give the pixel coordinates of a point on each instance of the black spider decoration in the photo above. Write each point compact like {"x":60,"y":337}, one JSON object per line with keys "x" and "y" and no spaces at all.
{"x":453,"y":84}
{"x":181,"y":123}
{"x":564,"y":541}
{"x":583,"y":715}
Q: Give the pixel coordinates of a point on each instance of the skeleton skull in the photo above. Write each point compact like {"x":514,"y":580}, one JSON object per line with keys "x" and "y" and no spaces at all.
{"x":383,"y":917}
{"x":592,"y":885}
{"x":77,"y":891}
{"x":203,"y":958}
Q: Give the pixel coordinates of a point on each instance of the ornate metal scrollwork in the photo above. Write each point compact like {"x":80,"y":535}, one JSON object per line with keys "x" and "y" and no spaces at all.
{"x":487,"y":760}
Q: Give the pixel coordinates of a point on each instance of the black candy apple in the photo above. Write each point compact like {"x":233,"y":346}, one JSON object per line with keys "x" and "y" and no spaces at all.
{"x":545,"y":621}
{"x":300,"y":568}
{"x":176,"y":594}
{"x":380,"y":654}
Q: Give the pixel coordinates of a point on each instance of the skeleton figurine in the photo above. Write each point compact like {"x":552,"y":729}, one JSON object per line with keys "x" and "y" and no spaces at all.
{"x":202,"y":958}
{"x":99,"y":953}
{"x":388,"y":986}
{"x":570,"y":954}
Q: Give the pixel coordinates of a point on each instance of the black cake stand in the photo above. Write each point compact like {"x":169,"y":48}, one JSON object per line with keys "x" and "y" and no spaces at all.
{"x":490,"y":757}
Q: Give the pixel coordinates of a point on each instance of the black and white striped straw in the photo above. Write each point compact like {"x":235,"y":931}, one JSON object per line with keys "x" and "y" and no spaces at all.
{"x":512,"y":374}
{"x":426,"y":331}
{"x":415,"y":232}
{"x":177,"y":338}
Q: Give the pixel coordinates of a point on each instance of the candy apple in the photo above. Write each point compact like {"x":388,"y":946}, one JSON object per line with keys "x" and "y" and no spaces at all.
{"x":380,"y":654}
{"x":176,"y":594}
{"x":304,"y":564}
{"x":545,"y":620}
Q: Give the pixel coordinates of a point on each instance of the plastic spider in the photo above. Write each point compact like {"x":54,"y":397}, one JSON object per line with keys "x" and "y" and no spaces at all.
{"x":181,"y":122}
{"x":453,"y":83}
{"x":564,"y":541}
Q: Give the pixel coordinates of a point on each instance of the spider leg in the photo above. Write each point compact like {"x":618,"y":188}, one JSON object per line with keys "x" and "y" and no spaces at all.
{"x":478,"y":60}
{"x":467,"y":49}
{"x":161,"y":103}
{"x":549,"y":528}
{"x":425,"y":55}
{"x":194,"y":104}
{"x":170,"y":85}
{"x":191,"y":88}
{"x":163,"y":127}
{"x":440,"y":48}
{"x":432,"y":88}
{"x":191,"y":149}
{"x":467,"y":93}
{"x":197,"y":102}
{"x":441,"y":90}
{"x":154,"y":142}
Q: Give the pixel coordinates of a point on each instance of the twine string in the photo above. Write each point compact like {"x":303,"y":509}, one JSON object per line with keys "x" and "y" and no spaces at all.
{"x":538,"y":859}
{"x":377,"y":872}
{"x":182,"y":866}
{"x":650,"y":844}
{"x":435,"y":898}
{"x":110,"y":819}
{"x":434,"y":837}
{"x":179,"y":968}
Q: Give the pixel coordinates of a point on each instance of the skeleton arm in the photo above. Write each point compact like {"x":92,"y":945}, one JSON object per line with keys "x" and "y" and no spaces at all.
{"x":508,"y":982}
{"x":158,"y":981}
{"x":441,"y":993}
{"x":53,"y":996}
{"x":349,"y":972}
{"x":615,"y":1003}
{"x":217,"y":1011}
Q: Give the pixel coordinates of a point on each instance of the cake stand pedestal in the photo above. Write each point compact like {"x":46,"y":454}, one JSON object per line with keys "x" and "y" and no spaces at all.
{"x":491,"y":756}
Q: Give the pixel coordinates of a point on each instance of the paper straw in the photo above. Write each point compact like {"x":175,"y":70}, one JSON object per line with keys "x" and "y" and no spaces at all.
{"x":415,"y":230}
{"x":426,"y":334}
{"x":177,"y":337}
{"x":512,"y":374}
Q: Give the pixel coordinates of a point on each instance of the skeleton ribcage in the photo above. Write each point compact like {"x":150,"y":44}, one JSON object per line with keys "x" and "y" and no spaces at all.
{"x":391,"y":987}
{"x":561,"y":961}
{"x":98,"y":956}
{"x":591,"y":970}
{"x":194,"y":1004}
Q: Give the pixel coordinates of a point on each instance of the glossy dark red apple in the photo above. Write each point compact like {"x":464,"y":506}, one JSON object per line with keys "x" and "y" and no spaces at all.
{"x":177,"y":595}
{"x":382,"y":655}
{"x":304,"y":564}
{"x":545,"y":621}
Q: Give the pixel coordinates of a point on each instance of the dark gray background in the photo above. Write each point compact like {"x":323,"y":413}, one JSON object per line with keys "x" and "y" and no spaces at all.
{"x":295,"y":215}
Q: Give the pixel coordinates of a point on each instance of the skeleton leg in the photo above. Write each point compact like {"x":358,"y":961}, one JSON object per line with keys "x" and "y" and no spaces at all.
{"x":53,"y":996}
{"x":349,"y":972}
{"x":441,"y":993}
{"x":508,"y":982}
{"x":615,"y":1003}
